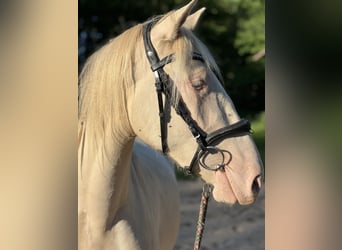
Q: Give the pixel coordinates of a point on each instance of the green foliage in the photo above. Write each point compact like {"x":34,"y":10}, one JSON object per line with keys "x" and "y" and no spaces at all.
{"x":251,"y":27}
{"x":258,"y":126}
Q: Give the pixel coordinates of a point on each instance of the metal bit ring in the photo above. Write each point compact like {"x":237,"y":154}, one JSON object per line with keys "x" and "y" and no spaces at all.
{"x":203,"y":154}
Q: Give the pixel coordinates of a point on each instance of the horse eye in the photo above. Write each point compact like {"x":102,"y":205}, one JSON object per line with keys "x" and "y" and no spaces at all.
{"x":198,"y":85}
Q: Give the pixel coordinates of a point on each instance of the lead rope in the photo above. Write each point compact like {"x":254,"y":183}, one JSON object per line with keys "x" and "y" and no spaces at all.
{"x":201,"y":216}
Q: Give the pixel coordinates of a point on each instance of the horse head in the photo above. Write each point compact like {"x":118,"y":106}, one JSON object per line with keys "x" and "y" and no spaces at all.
{"x":192,"y":112}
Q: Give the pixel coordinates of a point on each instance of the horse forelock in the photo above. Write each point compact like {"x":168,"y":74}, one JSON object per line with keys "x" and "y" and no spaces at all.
{"x":183,"y":48}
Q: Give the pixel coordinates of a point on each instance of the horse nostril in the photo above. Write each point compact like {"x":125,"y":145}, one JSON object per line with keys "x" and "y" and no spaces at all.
{"x":256,"y":185}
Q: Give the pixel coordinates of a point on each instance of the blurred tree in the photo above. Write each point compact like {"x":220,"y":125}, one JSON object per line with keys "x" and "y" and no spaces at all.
{"x":232,"y":29}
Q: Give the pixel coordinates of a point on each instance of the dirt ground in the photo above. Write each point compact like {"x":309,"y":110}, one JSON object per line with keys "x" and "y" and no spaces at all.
{"x":227,"y":227}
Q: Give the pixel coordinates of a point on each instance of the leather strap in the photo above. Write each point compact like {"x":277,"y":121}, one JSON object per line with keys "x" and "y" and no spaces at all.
{"x":237,"y":129}
{"x":163,"y":86}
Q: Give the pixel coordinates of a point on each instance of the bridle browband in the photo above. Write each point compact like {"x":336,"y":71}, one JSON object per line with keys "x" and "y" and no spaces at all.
{"x":164,"y":86}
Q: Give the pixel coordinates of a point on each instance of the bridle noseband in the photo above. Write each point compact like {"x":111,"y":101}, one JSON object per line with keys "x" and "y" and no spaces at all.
{"x":163,"y":85}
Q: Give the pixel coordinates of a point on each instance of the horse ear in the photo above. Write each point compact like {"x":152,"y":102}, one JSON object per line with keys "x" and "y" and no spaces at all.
{"x":168,"y":27}
{"x":192,"y":20}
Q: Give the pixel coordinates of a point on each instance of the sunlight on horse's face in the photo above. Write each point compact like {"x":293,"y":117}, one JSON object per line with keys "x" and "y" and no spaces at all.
{"x":211,"y":108}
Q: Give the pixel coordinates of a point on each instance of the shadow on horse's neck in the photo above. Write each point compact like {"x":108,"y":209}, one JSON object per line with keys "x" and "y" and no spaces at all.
{"x":106,"y":166}
{"x":120,"y":180}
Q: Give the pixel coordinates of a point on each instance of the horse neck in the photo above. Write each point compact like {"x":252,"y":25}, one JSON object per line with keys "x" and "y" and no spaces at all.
{"x":120,"y":178}
{"x":103,"y":177}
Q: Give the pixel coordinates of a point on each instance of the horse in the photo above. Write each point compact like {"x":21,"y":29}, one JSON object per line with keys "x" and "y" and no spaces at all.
{"x":191,"y":119}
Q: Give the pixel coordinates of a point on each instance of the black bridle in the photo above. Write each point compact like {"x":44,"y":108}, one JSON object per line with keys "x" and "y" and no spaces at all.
{"x":164,"y":86}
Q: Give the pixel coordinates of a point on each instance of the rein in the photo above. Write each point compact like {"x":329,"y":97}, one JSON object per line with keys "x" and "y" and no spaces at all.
{"x":202,"y":215}
{"x":206,"y":142}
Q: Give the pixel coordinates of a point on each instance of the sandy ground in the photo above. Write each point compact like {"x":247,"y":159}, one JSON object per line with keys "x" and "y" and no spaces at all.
{"x":227,"y":227}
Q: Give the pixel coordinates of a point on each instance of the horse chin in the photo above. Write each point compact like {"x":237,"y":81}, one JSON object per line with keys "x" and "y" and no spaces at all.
{"x":224,"y":191}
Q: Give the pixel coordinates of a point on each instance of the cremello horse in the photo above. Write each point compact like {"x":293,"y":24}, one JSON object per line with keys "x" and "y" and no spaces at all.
{"x":118,"y":103}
